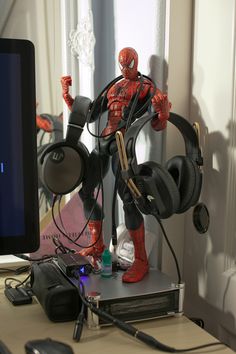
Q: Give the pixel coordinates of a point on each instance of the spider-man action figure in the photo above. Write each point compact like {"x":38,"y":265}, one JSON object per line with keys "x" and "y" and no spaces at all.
{"x":119,"y":100}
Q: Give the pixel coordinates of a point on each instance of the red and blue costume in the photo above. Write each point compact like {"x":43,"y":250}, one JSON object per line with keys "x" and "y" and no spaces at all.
{"x":117,"y":100}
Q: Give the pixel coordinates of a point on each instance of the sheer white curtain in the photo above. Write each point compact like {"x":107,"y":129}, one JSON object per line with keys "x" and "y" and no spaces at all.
{"x":78,"y":52}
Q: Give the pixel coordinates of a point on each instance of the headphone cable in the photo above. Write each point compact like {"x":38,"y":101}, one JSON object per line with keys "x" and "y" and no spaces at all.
{"x":114,"y":199}
{"x":135,"y":115}
{"x":134,"y":104}
{"x":170,"y":247}
{"x":65,"y":234}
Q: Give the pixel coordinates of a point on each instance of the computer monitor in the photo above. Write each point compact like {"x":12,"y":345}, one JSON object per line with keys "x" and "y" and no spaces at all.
{"x":19,"y":208}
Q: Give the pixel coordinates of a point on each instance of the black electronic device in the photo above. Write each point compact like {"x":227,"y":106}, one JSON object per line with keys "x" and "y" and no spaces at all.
{"x":63,"y":165}
{"x":74,"y":262}
{"x":58,"y":297}
{"x":47,"y":346}
{"x":172,"y":188}
{"x":18,"y":296}
{"x":19,"y":208}
{"x":4,"y":349}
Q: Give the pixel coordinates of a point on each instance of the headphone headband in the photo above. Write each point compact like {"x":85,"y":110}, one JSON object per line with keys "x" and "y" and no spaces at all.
{"x":190,"y":137}
{"x":186,"y":129}
{"x":77,"y":118}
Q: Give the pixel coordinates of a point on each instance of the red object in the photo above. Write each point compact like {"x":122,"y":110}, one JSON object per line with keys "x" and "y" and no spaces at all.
{"x":119,"y":99}
{"x":95,"y":228}
{"x":162,"y":106}
{"x":94,"y":253}
{"x":121,"y":93}
{"x":128,"y":60}
{"x":140,"y":265}
{"x":43,"y":124}
{"x":66,"y":82}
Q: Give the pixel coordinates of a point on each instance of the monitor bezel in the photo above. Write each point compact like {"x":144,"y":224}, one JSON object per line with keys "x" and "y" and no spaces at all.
{"x":29,"y":241}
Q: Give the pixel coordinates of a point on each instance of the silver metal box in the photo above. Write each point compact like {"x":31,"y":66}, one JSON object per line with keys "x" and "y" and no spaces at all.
{"x":155,"y":296}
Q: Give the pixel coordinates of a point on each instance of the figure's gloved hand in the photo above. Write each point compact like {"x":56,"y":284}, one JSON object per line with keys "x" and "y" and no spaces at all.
{"x":66,"y":82}
{"x":162,"y":106}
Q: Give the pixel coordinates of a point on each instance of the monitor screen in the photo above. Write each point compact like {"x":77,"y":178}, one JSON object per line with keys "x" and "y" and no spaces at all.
{"x":19,"y":209}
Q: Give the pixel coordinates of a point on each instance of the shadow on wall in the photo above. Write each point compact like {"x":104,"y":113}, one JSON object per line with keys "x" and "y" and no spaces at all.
{"x":207,"y":287}
{"x":159,"y":72}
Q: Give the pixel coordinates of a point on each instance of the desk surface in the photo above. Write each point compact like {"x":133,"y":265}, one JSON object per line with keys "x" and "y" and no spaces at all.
{"x":27,"y":322}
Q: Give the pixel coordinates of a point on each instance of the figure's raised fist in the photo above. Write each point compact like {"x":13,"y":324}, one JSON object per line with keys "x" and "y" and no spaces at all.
{"x":162,"y":106}
{"x":66,"y":82}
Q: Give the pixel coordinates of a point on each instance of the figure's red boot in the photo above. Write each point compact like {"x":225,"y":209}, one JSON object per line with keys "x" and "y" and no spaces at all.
{"x":95,"y":228}
{"x":140,"y":265}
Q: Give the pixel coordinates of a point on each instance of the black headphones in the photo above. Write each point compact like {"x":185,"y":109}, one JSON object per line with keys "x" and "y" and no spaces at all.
{"x":62,"y":165}
{"x":172,"y":188}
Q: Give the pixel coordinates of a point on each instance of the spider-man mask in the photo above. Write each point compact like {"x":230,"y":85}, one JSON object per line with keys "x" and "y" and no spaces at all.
{"x":128,"y":61}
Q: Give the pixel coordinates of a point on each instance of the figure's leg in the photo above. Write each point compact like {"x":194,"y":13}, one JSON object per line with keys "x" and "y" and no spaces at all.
{"x":135,"y":226}
{"x":96,"y":240}
{"x":140,"y":265}
{"x":98,"y":167}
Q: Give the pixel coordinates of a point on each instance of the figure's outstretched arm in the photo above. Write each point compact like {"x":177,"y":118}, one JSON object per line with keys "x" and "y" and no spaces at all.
{"x":66,"y":82}
{"x":162,"y":106}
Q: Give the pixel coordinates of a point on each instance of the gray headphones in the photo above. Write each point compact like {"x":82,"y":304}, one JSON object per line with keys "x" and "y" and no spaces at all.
{"x":63,"y":165}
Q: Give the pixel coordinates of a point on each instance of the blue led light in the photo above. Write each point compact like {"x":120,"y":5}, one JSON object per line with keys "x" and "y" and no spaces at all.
{"x":2,"y":167}
{"x":82,"y":270}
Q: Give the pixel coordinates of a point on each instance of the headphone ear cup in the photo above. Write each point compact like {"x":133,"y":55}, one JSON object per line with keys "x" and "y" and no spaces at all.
{"x":63,"y":167}
{"x":159,"y":189}
{"x":188,"y":180}
{"x":40,"y":151}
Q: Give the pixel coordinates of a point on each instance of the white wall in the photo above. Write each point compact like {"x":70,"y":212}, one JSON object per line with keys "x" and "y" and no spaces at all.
{"x":178,"y":57}
{"x":209,"y":266}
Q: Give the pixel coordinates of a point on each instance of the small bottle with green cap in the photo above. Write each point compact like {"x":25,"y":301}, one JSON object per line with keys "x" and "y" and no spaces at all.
{"x":106,"y":264}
